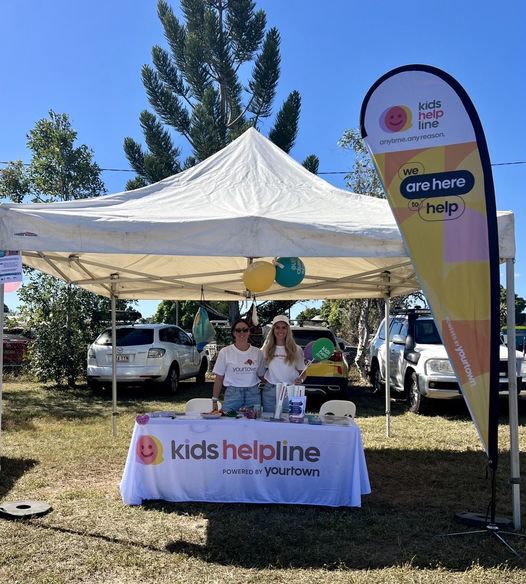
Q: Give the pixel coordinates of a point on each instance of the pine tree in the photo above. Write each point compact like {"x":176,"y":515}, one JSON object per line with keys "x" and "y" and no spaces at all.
{"x":198,"y":88}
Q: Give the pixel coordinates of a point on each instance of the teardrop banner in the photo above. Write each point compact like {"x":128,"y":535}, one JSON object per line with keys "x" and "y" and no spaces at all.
{"x":429,"y":149}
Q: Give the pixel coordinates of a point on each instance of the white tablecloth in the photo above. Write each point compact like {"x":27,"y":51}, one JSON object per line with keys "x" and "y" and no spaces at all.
{"x":244,"y":461}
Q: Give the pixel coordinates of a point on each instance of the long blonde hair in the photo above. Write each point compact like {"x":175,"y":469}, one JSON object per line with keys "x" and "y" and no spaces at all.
{"x":269,"y":347}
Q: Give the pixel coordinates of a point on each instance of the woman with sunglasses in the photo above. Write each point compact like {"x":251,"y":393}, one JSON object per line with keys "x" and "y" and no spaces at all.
{"x":239,"y":368}
{"x":283,"y":359}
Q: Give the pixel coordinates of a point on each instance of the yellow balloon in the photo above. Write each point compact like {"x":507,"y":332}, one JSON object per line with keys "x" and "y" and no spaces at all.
{"x":259,"y":276}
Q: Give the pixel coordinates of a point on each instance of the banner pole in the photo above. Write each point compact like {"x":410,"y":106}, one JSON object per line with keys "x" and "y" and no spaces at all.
{"x":387,"y":300}
{"x":515,"y":477}
{"x":114,"y":278}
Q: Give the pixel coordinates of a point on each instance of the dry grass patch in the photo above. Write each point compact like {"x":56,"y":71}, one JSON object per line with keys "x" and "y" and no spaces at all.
{"x":57,"y":447}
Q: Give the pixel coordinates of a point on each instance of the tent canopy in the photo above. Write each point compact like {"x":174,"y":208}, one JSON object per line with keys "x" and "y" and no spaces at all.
{"x":195,"y":232}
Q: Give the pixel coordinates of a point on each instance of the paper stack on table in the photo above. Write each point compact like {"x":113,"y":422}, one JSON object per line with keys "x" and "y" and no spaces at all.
{"x":295,"y":391}
{"x":162,"y":414}
{"x":284,"y":391}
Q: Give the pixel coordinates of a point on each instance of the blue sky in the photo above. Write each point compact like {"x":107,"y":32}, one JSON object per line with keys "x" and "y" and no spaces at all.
{"x":84,"y":58}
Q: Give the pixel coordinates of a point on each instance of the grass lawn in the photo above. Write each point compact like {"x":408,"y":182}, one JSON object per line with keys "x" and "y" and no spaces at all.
{"x":57,"y":447}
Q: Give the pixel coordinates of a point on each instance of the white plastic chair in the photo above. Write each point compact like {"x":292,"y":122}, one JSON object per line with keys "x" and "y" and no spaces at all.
{"x":338,"y":407}
{"x":200,"y":404}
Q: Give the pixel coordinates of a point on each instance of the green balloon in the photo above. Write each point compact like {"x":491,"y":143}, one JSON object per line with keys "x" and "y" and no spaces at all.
{"x":322,"y":349}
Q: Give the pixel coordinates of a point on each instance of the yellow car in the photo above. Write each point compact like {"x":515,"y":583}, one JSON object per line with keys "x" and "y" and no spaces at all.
{"x":328,"y":377}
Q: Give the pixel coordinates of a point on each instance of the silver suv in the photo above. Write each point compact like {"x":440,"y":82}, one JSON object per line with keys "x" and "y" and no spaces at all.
{"x":419,"y":365}
{"x":159,"y":353}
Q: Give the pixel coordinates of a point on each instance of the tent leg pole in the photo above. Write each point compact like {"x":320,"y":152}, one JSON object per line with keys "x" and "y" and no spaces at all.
{"x":1,"y":364}
{"x":512,"y":397}
{"x":114,"y":278}
{"x":387,"y":369}
{"x":387,"y":300}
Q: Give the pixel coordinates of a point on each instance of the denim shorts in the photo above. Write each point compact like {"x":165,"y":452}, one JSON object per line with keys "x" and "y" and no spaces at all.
{"x":268,"y":397}
{"x":237,"y":397}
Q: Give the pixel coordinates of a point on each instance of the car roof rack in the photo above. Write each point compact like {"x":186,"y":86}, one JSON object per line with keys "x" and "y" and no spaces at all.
{"x":416,"y":311}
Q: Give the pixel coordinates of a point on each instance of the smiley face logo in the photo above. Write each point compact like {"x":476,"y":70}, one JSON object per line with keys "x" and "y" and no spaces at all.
{"x":396,"y":119}
{"x":149,"y":450}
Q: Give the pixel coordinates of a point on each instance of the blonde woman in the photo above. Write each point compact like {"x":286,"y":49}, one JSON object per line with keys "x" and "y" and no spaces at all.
{"x":283,"y":359}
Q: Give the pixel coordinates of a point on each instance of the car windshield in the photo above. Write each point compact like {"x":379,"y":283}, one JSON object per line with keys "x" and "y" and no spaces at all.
{"x":305,"y":336}
{"x":126,"y":337}
{"x":426,"y":333}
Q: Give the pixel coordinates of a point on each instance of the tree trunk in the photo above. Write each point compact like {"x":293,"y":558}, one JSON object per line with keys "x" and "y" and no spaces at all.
{"x":70,"y":365}
{"x":363,"y":340}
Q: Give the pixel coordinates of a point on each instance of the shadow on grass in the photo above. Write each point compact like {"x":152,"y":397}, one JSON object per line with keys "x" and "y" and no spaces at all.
{"x":373,"y":405}
{"x":13,"y":469}
{"x":404,"y":521}
{"x":24,"y":405}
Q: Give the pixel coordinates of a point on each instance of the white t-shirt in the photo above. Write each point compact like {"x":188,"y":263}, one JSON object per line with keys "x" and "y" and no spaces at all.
{"x":280,"y":372}
{"x":240,"y":368}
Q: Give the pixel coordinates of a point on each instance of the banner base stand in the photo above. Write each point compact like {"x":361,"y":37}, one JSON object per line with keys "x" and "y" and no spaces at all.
{"x":481,"y":520}
{"x":494,"y":530}
{"x":24,"y":509}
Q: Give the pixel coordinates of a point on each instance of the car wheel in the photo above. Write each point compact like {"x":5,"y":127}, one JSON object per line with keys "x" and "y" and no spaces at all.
{"x":414,"y":397}
{"x":201,"y":376}
{"x":376,"y":380}
{"x":93,"y":385}
{"x":171,"y":383}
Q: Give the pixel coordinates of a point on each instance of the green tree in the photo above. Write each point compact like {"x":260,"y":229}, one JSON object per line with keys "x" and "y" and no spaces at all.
{"x":61,"y":317}
{"x":363,"y":177}
{"x":520,"y":305}
{"x":269,"y":309}
{"x":199,"y":88}
{"x":354,"y":320}
{"x":58,"y":170}
{"x":307,"y":314}
{"x":183,"y":312}
{"x":63,"y":320}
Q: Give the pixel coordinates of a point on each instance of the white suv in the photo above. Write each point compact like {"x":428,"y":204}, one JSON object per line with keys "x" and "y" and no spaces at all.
{"x":159,"y":353}
{"x":419,"y":365}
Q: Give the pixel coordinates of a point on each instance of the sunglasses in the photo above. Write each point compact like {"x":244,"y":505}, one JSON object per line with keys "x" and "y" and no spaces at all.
{"x":243,"y":330}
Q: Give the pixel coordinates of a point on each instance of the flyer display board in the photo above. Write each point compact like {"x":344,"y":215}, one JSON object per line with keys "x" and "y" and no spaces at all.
{"x":10,"y":266}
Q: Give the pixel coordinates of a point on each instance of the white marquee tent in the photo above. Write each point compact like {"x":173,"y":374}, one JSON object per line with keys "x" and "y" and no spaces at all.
{"x":193,"y":234}
{"x":197,"y":228}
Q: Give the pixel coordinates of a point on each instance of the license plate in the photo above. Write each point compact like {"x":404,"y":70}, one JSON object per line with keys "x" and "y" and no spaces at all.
{"x":122,"y":358}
